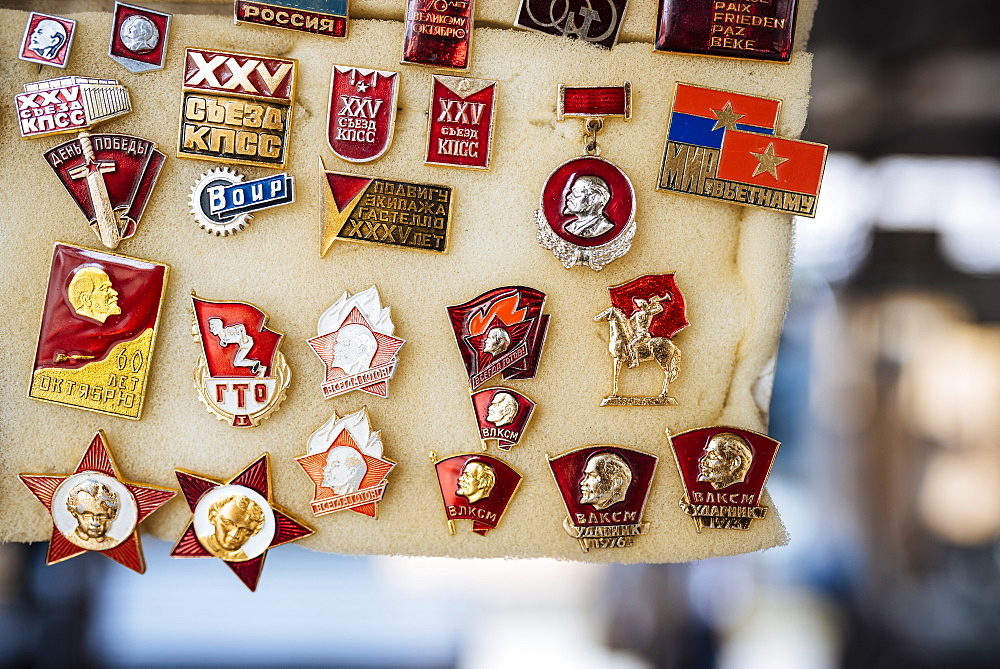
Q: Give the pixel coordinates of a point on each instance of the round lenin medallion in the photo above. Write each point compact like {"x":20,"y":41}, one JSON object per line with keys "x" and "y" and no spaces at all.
{"x":94,"y":511}
{"x":234,"y":523}
{"x":139,"y":34}
{"x":586,"y":213}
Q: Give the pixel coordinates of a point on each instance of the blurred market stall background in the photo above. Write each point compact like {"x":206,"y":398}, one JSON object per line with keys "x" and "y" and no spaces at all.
{"x":886,"y":401}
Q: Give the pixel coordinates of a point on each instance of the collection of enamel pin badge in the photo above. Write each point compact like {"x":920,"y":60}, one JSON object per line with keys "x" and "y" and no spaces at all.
{"x":102,"y":310}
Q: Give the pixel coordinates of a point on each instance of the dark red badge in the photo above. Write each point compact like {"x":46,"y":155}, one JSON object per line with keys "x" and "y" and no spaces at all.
{"x":501,"y":331}
{"x":756,"y":30}
{"x":595,"y":22}
{"x":438,"y":33}
{"x":476,"y":487}
{"x":139,"y":38}
{"x":605,"y":489}
{"x":460,"y":131}
{"x":502,"y":415}
{"x":723,"y":470}
{"x":362,"y":112}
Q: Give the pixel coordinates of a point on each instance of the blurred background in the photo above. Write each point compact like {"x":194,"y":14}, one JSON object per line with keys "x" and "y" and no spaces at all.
{"x":886,"y":402}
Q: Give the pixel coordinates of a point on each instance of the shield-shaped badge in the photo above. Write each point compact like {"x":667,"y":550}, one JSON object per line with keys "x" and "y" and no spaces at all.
{"x":501,"y":331}
{"x":241,"y":375}
{"x":723,"y":470}
{"x":605,"y":489}
{"x":476,"y":487}
{"x":502,"y":415}
{"x":362,"y":112}
{"x":460,"y":123}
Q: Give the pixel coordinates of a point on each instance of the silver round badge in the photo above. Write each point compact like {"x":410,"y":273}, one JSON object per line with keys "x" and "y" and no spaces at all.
{"x":139,"y":34}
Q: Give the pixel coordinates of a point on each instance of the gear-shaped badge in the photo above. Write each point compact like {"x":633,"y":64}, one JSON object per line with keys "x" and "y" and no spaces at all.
{"x":222,"y":202}
{"x":218,"y":224}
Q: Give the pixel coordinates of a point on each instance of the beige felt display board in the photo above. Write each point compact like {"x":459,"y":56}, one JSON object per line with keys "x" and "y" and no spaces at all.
{"x":732,"y":263}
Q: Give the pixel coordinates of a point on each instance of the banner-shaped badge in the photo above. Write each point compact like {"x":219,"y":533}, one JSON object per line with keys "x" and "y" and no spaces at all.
{"x":319,"y":17}
{"x":438,"y":34}
{"x":249,"y":196}
{"x":596,"y":22}
{"x":361,"y":117}
{"x":460,"y":123}
{"x":379,"y":211}
{"x":755,"y":30}
{"x":723,"y":470}
{"x":99,"y":325}
{"x":721,"y":145}
{"x":237,"y":108}
{"x":69,"y":104}
{"x":476,"y":487}
{"x":502,"y":415}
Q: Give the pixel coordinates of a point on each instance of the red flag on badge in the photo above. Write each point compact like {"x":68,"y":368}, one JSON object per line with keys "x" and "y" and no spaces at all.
{"x":774,"y":162}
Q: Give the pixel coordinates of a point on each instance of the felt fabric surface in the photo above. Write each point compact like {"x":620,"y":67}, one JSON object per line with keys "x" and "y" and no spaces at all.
{"x":732,"y":264}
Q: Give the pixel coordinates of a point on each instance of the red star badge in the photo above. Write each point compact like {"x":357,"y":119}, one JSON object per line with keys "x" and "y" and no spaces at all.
{"x":95,"y":509}
{"x":235,"y":520}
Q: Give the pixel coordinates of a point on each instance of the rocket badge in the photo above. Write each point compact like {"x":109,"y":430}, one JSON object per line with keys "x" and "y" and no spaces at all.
{"x":756,"y":30}
{"x":721,"y":145}
{"x":587,"y":210}
{"x":502,"y":415}
{"x":475,"y":487}
{"x":438,"y":34}
{"x":723,"y":470}
{"x":99,"y":323}
{"x":318,"y":17}
{"x":644,"y":315}
{"x":356,"y":345}
{"x":139,"y":38}
{"x":460,"y":122}
{"x":95,"y":509}
{"x":235,"y":520}
{"x":69,"y":104}
{"x":222,"y":203}
{"x":604,"y":488}
{"x":47,"y":40}
{"x":344,"y":461}
{"x":599,"y":22}
{"x":361,"y":116}
{"x":111,"y":178}
{"x":500,"y":332}
{"x":241,"y":375}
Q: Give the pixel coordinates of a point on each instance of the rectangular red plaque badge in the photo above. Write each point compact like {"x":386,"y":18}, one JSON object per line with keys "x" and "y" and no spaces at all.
{"x":755,"y":30}
{"x":460,"y":130}
{"x":721,"y":145}
{"x":361,"y":117}
{"x":237,"y":108}
{"x":319,"y":17}
{"x":98,"y":329}
{"x":438,"y":33}
{"x":594,"y":101}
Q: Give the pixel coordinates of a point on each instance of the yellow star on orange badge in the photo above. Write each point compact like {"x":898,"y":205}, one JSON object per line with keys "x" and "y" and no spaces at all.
{"x":767,"y":161}
{"x":727,"y":118}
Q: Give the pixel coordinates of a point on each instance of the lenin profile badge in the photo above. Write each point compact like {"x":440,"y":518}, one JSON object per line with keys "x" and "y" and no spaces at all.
{"x":47,"y":39}
{"x":361,"y":117}
{"x":139,"y":38}
{"x":356,"y":345}
{"x":502,"y":415}
{"x":587,"y":210}
{"x":475,"y":487}
{"x":235,"y":520}
{"x":95,"y":509}
{"x":241,"y":376}
{"x":644,"y":315}
{"x":723,"y":470}
{"x":99,"y":324}
{"x":500,"y":332}
{"x":344,"y":461}
{"x":604,"y":488}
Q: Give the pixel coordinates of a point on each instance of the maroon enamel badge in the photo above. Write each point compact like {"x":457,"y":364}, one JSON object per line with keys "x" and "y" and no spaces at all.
{"x":139,"y":38}
{"x":501,"y":331}
{"x":756,"y":30}
{"x":605,"y":489}
{"x":723,"y":470}
{"x":476,"y":487}
{"x":110,"y":177}
{"x":502,"y":415}
{"x":438,"y":33}
{"x":595,"y":22}
{"x":460,"y":131}
{"x":362,"y":112}
{"x":47,"y":39}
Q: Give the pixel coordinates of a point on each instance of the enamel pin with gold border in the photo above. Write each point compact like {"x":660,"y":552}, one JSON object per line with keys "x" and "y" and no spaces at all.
{"x":327,"y":18}
{"x":438,"y":34}
{"x":460,"y":122}
{"x":95,"y":509}
{"x":475,"y":487}
{"x":361,"y":116}
{"x":502,"y":415}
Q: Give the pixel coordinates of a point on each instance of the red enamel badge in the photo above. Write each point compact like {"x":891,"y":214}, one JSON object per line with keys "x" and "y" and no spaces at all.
{"x":438,"y":33}
{"x":361,"y":117}
{"x":502,"y":415}
{"x":723,"y":470}
{"x":139,"y":38}
{"x":460,"y":131}
{"x":95,"y":509}
{"x":476,"y":487}
{"x":500,"y":332}
{"x":604,"y":488}
{"x":47,"y":39}
{"x":756,"y":30}
{"x":235,"y":520}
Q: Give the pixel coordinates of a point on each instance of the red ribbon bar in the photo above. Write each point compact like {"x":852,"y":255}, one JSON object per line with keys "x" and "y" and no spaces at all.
{"x":596,"y":100}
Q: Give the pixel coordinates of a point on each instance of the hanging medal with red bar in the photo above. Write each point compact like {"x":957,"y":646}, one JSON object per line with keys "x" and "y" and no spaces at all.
{"x":587,"y":210}
{"x":723,"y":470}
{"x":460,"y":123}
{"x":438,"y":33}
